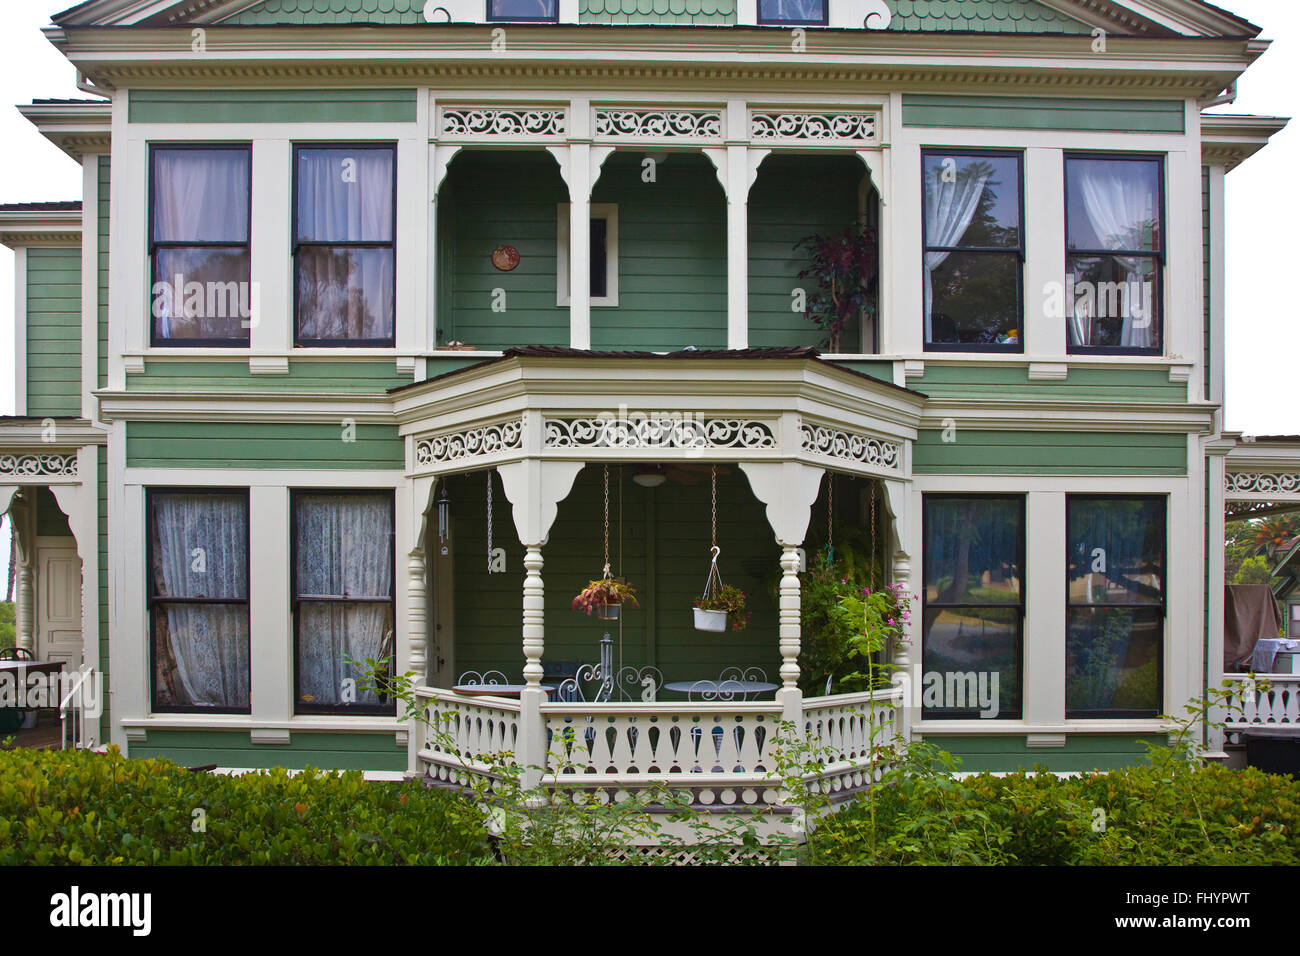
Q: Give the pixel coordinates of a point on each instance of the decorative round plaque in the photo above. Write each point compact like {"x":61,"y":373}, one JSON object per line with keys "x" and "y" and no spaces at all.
{"x":505,"y":258}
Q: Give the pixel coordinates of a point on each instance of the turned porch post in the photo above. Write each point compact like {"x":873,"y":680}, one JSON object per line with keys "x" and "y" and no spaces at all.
{"x":417,"y":615}
{"x":20,"y":513}
{"x":902,"y":676}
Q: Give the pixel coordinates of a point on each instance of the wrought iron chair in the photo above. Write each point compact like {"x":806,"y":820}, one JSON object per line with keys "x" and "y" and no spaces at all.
{"x":16,"y":654}
{"x":484,"y":679}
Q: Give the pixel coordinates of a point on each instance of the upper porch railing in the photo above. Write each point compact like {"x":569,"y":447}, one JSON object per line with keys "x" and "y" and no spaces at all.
{"x":1248,"y":707}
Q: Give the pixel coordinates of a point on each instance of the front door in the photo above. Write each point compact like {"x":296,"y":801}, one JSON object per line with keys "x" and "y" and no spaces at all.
{"x":58,"y":603}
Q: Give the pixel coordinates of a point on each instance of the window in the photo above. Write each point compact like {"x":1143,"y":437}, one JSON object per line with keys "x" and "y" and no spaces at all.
{"x":603,"y":274}
{"x":344,"y":258}
{"x":793,"y":12}
{"x":1114,"y":253}
{"x":198,"y":600}
{"x":1115,"y":606}
{"x":200,"y":290}
{"x":974,"y":251}
{"x":541,"y":11}
{"x":342,"y":597}
{"x":974,"y":607}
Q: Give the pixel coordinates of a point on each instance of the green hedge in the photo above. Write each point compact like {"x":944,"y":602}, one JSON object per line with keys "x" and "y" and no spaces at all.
{"x":78,"y":807}
{"x":1167,"y":813}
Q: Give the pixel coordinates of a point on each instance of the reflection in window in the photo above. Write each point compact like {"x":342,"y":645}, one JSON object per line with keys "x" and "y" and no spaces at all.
{"x":344,"y":247}
{"x":793,"y":12}
{"x":972,"y":645}
{"x":540,"y":10}
{"x":974,"y":251}
{"x":1115,"y":606}
{"x":1114,"y":250}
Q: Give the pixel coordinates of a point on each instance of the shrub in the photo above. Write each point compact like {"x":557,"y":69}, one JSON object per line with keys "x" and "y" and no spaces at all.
{"x":78,"y":807}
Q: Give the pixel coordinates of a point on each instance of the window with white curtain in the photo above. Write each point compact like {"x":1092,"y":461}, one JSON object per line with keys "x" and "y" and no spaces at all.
{"x":198,"y":600}
{"x":793,"y":12}
{"x":539,"y":11}
{"x":344,"y":245}
{"x":342,"y":598}
{"x":200,"y":292}
{"x":1114,"y":253}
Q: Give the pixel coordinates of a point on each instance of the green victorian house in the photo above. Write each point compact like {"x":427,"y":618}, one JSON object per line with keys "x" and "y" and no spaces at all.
{"x":383,"y":327}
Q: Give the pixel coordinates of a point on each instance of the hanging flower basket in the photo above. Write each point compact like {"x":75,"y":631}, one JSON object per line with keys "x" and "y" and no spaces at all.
{"x":605,"y":598}
{"x":710,"y":620}
{"x":719,"y":602}
{"x":608,"y":612}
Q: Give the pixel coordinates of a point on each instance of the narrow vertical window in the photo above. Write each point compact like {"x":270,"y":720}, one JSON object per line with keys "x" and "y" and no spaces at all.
{"x":974,"y":607}
{"x":198,"y":600}
{"x":200,"y":291}
{"x":1115,"y":567}
{"x":343,"y":598}
{"x":1114,"y":254}
{"x":974,"y":251}
{"x":344,"y":248}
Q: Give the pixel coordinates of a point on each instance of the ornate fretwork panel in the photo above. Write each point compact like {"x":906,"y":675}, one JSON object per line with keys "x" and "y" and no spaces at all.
{"x":1262,"y":486}
{"x":847,"y":446}
{"x":501,"y":123}
{"x":682,"y":432}
{"x":482,"y":441}
{"x":824,"y":127}
{"x":21,"y":465}
{"x":658,"y":124}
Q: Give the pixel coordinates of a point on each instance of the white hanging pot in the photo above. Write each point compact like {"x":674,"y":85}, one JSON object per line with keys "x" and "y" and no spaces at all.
{"x":710,"y":620}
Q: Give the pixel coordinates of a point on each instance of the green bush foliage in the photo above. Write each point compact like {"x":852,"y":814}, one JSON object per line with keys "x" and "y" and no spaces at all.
{"x":77,"y":807}
{"x":1168,"y":812}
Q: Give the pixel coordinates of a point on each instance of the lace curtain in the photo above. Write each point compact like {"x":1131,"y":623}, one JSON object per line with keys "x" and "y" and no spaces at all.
{"x":949,"y":209}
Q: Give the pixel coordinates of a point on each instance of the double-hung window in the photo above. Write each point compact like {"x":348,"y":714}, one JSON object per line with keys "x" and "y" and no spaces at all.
{"x":344,"y":247}
{"x":200,"y":286}
{"x":198,"y":600}
{"x":1115,"y":605}
{"x":793,"y":13}
{"x":342,"y":598}
{"x":1114,"y":252}
{"x":974,"y":606}
{"x":523,"y":11}
{"x":974,"y":251}
{"x":603,"y":255}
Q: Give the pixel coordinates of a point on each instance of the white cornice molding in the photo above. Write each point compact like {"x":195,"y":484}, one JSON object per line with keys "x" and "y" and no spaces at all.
{"x":1228,"y":140}
{"x":285,"y":407}
{"x":79,"y":129}
{"x":40,"y":228}
{"x":31,"y":434}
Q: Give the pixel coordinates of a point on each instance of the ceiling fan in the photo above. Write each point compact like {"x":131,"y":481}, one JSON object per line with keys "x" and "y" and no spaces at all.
{"x":652,"y":475}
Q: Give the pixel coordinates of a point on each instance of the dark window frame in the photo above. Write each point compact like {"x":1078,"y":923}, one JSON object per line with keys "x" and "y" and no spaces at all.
{"x":153,"y":601}
{"x":490,"y":18}
{"x":155,"y":243}
{"x":1018,"y":250}
{"x":316,"y":343}
{"x":1158,"y":256}
{"x":1022,"y":605}
{"x":364,"y":710}
{"x":1162,"y":607}
{"x":768,"y":22}
{"x":592,"y":274}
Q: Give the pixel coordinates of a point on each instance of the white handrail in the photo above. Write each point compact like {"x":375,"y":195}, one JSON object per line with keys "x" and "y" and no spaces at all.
{"x":67,"y":706}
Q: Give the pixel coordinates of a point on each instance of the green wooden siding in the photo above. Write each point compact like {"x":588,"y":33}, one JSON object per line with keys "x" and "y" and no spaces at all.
{"x":881,"y":370}
{"x":243,"y":445}
{"x":1084,"y":383}
{"x":340,"y":375}
{"x":489,"y":200}
{"x":1206,"y":313}
{"x":661,"y":546}
{"x":1035,"y":112}
{"x":795,"y":197}
{"x":51,"y":522}
{"x":1004,"y":452}
{"x":54,"y":331}
{"x":272,"y":106}
{"x":1007,"y":754}
{"x":350,"y":750}
{"x":106,"y":719}
{"x":980,"y":16}
{"x":102,"y":298}
{"x":672,"y":250}
{"x":329,"y":11}
{"x":695,"y":12}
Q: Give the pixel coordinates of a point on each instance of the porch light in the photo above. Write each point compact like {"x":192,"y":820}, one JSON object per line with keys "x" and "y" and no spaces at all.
{"x":649,"y":476}
{"x":444,"y":518}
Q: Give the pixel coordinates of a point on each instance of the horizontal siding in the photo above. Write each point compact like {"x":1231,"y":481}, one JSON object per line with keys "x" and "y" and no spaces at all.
{"x":354,"y":750}
{"x":272,"y":106}
{"x":219,"y":376}
{"x":1031,"y":112}
{"x":1082,"y":384}
{"x":880,"y":370}
{"x":53,"y":331}
{"x":1002,"y":452}
{"x":51,"y":522}
{"x":1007,"y":754}
{"x":243,"y":445}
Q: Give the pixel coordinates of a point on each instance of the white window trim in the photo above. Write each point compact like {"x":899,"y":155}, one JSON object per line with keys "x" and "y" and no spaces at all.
{"x":840,"y":14}
{"x":599,"y":210}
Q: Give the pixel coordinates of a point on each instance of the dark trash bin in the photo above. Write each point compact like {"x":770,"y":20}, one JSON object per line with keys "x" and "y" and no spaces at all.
{"x":1274,"y":751}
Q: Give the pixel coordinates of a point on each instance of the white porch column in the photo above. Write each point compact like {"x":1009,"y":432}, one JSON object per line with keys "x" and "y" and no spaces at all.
{"x":535,"y":489}
{"x":902,"y":675}
{"x":417,"y":615}
{"x":737,"y":168}
{"x":21,"y":514}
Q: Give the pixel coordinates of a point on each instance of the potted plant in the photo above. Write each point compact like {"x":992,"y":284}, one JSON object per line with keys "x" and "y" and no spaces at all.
{"x":714,"y":610}
{"x":605,"y":598}
{"x":845,"y":265}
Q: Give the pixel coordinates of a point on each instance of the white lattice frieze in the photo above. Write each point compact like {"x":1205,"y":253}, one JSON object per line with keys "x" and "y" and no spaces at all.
{"x":501,"y":122}
{"x":822,"y":127}
{"x":670,"y":431}
{"x":38,"y":466}
{"x":849,"y":446}
{"x":1262,"y":485}
{"x":658,"y":124}
{"x":481,"y":441}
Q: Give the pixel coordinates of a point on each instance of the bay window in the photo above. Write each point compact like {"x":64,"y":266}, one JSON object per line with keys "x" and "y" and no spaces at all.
{"x":1114,"y":254}
{"x":198,"y":600}
{"x":973,"y":250}
{"x":1115,"y":605}
{"x":200,"y":288}
{"x":342,"y":598}
{"x":973,"y":606}
{"x":344,"y":245}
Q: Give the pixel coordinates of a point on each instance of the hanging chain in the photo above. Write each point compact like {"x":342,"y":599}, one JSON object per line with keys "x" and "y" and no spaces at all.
{"x":606,"y":574}
{"x":830,"y":513}
{"x":713,"y":478}
{"x":489,"y":520}
{"x":875,"y":549}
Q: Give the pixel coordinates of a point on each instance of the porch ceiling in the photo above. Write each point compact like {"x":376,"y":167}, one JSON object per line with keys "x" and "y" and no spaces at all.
{"x":749,"y":405}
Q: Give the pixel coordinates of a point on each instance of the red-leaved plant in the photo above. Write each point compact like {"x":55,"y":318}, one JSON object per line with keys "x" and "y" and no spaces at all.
{"x":845,"y":265}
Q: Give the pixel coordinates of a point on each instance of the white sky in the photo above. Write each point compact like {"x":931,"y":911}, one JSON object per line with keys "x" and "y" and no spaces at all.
{"x":1262,"y":199}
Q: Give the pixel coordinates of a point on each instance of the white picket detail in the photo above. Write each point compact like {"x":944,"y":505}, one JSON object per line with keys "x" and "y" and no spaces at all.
{"x":459,"y":733}
{"x":845,"y":728}
{"x":1250,"y":707}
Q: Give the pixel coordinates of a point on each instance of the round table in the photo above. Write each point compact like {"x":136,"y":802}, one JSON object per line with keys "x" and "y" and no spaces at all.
{"x":724,"y":690}
{"x":496,"y":690}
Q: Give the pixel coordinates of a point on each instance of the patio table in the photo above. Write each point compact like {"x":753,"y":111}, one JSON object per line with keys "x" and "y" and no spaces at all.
{"x":712,"y":689}
{"x":22,"y":671}
{"x":496,"y":690}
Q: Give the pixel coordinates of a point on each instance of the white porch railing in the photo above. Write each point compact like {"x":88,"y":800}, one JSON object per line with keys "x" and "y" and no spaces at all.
{"x":74,"y":728}
{"x":1250,"y":708}
{"x":723,"y":753}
